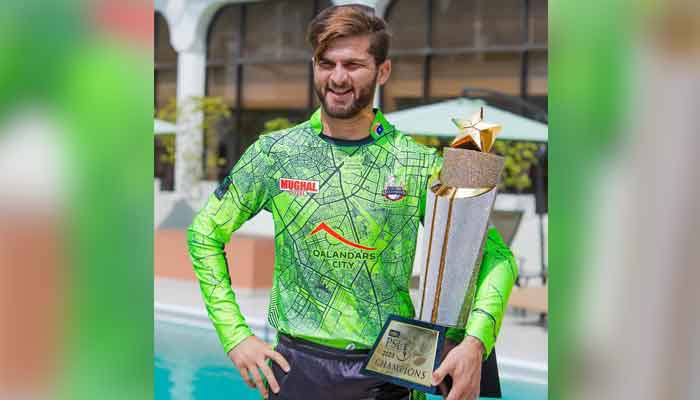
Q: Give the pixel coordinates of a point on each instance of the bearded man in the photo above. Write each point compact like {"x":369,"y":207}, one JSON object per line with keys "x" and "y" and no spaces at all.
{"x":347,"y":194}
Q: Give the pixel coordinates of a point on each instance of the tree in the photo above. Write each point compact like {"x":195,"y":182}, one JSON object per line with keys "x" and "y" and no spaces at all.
{"x":205,"y":111}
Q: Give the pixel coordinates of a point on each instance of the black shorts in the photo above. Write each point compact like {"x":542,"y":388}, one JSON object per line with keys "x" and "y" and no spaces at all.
{"x":320,"y":372}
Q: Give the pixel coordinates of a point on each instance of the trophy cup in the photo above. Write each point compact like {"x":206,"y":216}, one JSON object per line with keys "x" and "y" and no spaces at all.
{"x":458,"y":206}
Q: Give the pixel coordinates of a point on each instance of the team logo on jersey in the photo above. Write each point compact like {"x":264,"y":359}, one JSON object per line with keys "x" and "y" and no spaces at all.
{"x":325,"y":228}
{"x":349,"y":259}
{"x":392,"y":191}
{"x":298,"y":187}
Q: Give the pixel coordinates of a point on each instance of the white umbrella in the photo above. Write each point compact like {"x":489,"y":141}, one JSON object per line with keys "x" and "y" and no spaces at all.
{"x":436,"y":120}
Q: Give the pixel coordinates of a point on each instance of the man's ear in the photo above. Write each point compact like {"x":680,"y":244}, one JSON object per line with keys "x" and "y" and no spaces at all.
{"x":384,"y":72}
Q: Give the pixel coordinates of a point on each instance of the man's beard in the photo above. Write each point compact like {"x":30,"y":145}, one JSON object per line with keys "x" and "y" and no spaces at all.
{"x":363,"y":99}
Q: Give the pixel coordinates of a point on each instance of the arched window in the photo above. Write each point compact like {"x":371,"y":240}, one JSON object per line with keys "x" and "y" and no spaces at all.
{"x":259,"y":63}
{"x":165,"y":82}
{"x":440,"y":47}
{"x":165,"y":78}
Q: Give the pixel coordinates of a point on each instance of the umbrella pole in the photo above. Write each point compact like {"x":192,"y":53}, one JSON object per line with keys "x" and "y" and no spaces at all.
{"x":540,"y":208}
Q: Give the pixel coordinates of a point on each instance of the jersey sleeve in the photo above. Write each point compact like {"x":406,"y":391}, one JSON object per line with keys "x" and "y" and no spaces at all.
{"x":496,"y":279}
{"x":239,"y":197}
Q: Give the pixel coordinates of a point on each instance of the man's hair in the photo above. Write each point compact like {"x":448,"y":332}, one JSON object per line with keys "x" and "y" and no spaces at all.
{"x":349,"y":20}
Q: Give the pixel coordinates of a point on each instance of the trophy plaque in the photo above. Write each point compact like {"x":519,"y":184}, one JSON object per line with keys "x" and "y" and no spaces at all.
{"x":458,"y":207}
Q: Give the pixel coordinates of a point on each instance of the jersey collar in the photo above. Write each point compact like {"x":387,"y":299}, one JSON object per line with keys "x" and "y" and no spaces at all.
{"x":379,"y":128}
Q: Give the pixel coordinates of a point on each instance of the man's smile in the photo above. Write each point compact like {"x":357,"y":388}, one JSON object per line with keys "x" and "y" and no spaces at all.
{"x":340,"y":94}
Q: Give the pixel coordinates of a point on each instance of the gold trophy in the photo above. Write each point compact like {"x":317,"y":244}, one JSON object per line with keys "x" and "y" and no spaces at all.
{"x":458,"y":207}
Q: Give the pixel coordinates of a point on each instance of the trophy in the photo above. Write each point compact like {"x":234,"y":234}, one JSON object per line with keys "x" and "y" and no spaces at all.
{"x":458,"y":206}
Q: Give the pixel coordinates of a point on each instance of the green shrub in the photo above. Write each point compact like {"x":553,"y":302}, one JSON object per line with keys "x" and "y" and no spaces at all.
{"x":276,"y":124}
{"x":519,"y":159}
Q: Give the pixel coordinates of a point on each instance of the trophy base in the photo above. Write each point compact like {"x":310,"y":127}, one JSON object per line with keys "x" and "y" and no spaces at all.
{"x":406,"y":353}
{"x":404,"y":341}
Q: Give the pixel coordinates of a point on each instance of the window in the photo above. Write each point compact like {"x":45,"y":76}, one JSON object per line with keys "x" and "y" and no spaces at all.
{"x":165,"y":64}
{"x":224,"y":46}
{"x":440,"y":47}
{"x":405,"y":86}
{"x":537,"y":21}
{"x":411,"y":33}
{"x":165,"y":81}
{"x":537,"y":78}
{"x":495,"y":71}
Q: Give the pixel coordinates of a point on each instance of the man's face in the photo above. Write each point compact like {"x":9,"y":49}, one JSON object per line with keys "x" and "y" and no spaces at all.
{"x":345,"y":76}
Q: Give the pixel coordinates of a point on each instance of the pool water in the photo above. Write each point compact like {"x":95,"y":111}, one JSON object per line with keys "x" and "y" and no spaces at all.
{"x":190,"y":365}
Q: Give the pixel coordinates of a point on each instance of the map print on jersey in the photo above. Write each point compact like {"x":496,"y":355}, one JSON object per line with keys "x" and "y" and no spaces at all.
{"x":346,"y":222}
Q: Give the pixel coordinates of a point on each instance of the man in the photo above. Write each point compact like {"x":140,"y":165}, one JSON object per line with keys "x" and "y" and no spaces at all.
{"x":347,"y":193}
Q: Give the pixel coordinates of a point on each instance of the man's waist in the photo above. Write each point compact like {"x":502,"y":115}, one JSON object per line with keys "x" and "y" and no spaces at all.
{"x":327,"y":349}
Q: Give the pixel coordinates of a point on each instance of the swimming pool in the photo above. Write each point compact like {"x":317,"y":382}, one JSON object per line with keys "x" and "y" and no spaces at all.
{"x":190,"y":365}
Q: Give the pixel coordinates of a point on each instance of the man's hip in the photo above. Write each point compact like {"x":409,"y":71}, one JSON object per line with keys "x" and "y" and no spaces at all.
{"x":320,"y":372}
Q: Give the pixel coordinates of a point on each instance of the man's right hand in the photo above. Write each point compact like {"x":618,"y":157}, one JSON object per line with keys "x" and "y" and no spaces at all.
{"x":250,"y":355}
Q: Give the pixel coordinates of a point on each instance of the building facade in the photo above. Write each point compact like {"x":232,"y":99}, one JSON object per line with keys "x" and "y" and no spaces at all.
{"x":253,"y":56}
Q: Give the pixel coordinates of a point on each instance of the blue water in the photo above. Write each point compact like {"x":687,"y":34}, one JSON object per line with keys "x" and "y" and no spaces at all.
{"x":190,"y":365}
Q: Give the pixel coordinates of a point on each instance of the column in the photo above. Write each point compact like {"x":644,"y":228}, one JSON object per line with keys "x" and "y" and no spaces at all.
{"x":189,"y":143}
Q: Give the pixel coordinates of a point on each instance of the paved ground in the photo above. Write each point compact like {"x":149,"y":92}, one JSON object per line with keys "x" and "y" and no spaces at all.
{"x":522,"y":337}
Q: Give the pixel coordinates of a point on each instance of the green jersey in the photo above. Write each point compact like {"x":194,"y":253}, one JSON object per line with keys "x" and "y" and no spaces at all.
{"x":346,"y":216}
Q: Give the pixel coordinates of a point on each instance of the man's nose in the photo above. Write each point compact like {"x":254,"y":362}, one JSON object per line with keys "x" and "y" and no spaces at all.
{"x":340,"y":75}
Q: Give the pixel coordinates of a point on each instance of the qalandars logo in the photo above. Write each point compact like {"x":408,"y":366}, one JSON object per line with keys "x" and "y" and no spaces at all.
{"x":298,"y":187}
{"x":392,"y":191}
{"x":325,"y":228}
{"x":349,"y":259}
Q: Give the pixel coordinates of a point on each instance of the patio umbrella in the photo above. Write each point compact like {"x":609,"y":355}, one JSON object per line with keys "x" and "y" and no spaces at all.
{"x":435,"y":120}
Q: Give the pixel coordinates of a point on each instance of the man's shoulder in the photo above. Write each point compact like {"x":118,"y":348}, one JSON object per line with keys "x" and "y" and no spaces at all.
{"x":408,"y":143}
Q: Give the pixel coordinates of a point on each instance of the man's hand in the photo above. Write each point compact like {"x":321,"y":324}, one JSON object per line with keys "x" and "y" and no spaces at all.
{"x":463,"y":364}
{"x":250,"y":355}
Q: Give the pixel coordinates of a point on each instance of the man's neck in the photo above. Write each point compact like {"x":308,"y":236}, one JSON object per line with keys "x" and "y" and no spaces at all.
{"x":354,"y":128}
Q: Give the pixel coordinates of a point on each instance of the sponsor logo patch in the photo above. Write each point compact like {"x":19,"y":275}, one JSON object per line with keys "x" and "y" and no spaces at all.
{"x":393,"y":191}
{"x":221,"y":190}
{"x":298,"y":187}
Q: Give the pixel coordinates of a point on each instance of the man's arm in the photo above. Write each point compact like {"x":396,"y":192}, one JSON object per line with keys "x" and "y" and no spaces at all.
{"x":497,"y":276}
{"x":496,"y":279}
{"x":239,"y":197}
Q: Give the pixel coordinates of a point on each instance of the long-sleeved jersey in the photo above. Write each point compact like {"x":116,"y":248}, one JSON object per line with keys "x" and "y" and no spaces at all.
{"x":346,"y":216}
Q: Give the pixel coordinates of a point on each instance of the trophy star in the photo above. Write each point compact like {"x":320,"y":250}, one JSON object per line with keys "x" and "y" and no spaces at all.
{"x":475,"y":133}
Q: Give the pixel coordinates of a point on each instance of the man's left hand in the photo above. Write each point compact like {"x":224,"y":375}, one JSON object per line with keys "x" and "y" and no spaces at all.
{"x":463,"y":364}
